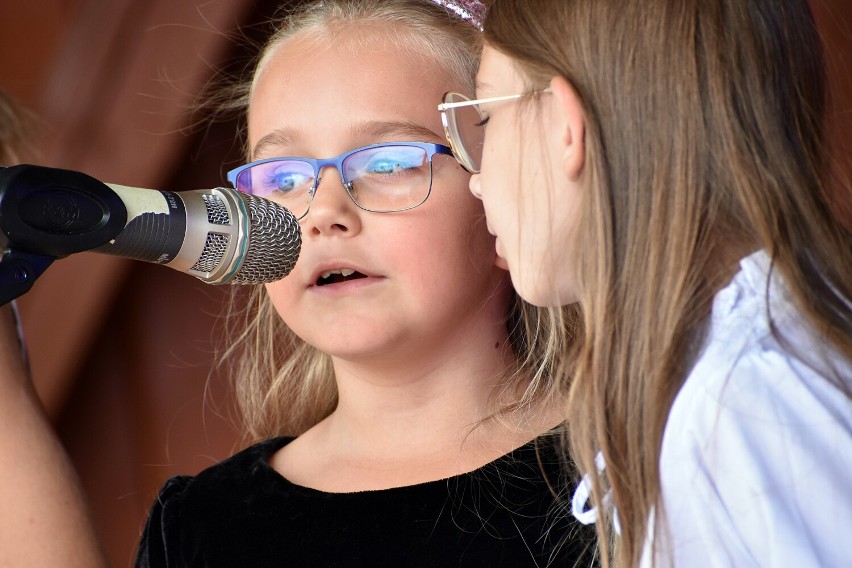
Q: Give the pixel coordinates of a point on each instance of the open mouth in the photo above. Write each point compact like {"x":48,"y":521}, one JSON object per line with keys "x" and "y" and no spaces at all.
{"x":338,"y":276}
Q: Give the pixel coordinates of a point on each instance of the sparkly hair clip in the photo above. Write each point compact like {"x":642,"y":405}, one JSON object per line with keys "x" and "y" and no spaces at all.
{"x":472,"y":11}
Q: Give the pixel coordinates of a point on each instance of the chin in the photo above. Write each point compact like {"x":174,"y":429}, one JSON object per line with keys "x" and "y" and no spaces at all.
{"x":362,"y":345}
{"x":529,"y":294}
{"x":541,"y":292}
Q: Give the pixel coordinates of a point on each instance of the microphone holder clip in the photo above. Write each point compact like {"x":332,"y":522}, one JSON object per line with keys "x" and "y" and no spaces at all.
{"x":18,"y":273}
{"x":49,"y":213}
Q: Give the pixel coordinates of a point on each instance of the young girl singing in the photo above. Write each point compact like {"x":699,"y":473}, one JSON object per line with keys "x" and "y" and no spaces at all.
{"x":402,"y":396}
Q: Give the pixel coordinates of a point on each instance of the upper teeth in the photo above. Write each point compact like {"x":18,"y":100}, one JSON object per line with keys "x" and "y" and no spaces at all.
{"x":342,"y":271}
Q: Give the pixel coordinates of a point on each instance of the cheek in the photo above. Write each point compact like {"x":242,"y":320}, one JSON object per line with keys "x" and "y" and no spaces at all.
{"x":279,"y":297}
{"x":499,"y":180}
{"x":460,"y":232}
{"x":491,"y":149}
{"x":284,"y":293}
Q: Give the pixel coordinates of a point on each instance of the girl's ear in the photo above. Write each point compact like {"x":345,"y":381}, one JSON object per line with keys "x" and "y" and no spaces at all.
{"x":572,"y":124}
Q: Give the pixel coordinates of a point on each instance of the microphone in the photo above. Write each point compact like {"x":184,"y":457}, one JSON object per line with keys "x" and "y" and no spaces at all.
{"x":217,"y":235}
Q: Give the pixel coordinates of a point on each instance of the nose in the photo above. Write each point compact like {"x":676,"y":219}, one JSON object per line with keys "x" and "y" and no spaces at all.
{"x":474,"y":186}
{"x":332,"y":212}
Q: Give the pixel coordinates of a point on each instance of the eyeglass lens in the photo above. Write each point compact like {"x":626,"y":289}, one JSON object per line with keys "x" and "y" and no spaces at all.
{"x":381,"y":179}
{"x":464,"y":132}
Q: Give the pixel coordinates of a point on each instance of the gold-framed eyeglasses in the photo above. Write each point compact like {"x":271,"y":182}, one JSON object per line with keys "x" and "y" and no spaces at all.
{"x":462,"y":120}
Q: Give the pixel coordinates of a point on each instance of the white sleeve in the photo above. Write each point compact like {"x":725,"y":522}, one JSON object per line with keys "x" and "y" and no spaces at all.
{"x":756,"y":465}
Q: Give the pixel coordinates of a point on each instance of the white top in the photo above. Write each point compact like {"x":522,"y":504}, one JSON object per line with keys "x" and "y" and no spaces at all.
{"x":756,"y":461}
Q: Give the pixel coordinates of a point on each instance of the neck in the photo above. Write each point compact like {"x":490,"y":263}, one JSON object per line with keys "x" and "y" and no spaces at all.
{"x":428,"y":400}
{"x":398,"y":425}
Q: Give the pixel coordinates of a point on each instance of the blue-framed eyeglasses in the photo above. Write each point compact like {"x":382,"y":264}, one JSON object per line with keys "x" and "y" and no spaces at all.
{"x":381,"y":178}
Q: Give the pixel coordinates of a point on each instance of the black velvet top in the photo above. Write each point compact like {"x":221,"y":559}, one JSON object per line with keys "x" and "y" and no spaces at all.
{"x":241,"y":512}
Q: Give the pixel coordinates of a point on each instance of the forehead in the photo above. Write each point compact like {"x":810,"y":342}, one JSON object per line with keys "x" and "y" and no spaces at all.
{"x":322,"y":89}
{"x":497,"y":75}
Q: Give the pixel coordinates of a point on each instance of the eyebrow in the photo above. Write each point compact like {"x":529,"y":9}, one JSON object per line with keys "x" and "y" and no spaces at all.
{"x":377,"y":129}
{"x":404,"y":129}
{"x":276,"y":138}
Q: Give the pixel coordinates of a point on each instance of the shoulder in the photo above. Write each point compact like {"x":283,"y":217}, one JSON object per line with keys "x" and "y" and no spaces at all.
{"x":187,"y":506}
{"x":241,"y":469}
{"x":762,"y":367}
{"x":249,"y":459}
{"x":216,"y":485}
{"x":535,"y":468}
{"x":759,"y":438}
{"x":516,"y":508}
{"x":762,"y":424}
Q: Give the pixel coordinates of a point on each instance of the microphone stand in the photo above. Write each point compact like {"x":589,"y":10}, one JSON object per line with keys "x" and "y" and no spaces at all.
{"x":49,"y":213}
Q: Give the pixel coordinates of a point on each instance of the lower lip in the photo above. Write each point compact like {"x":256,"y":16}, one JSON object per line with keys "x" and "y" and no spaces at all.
{"x":347,"y":287}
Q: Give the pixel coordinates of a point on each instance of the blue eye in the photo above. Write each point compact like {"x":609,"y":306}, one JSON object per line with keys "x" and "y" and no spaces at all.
{"x":387,"y":161}
{"x":286,"y":181}
{"x":385,"y":166}
{"x":281,"y":176}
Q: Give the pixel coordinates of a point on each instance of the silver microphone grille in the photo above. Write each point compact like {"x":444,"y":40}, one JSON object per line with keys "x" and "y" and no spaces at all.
{"x":275,"y":241}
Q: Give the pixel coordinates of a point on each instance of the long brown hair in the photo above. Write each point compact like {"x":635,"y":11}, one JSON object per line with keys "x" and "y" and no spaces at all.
{"x":705,"y":141}
{"x":284,"y":386}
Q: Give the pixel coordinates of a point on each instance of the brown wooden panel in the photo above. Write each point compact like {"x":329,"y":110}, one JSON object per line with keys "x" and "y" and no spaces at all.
{"x":128,"y":343}
{"x":114,"y":102}
{"x":30,"y":35}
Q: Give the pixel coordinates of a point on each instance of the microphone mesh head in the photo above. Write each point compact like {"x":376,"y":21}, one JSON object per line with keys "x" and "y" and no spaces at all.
{"x":275,"y":240}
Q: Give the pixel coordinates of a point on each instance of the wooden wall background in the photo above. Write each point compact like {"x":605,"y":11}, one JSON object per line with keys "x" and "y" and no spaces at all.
{"x":121,"y":351}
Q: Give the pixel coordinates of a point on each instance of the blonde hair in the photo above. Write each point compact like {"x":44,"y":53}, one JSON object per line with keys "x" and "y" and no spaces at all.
{"x":704,"y":140}
{"x":17,"y":127}
{"x":283,"y":385}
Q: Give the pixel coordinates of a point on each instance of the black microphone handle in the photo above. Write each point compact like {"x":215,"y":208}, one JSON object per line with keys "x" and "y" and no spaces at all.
{"x":54,"y":212}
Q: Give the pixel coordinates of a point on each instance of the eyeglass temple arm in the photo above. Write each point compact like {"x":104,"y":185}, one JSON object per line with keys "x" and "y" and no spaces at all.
{"x":445,"y":106}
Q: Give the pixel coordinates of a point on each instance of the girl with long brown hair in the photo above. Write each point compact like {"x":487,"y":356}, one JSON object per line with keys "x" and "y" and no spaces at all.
{"x":663,"y":164}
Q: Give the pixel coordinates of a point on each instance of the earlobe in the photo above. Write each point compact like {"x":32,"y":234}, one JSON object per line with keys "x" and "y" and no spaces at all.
{"x":572,"y":126}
